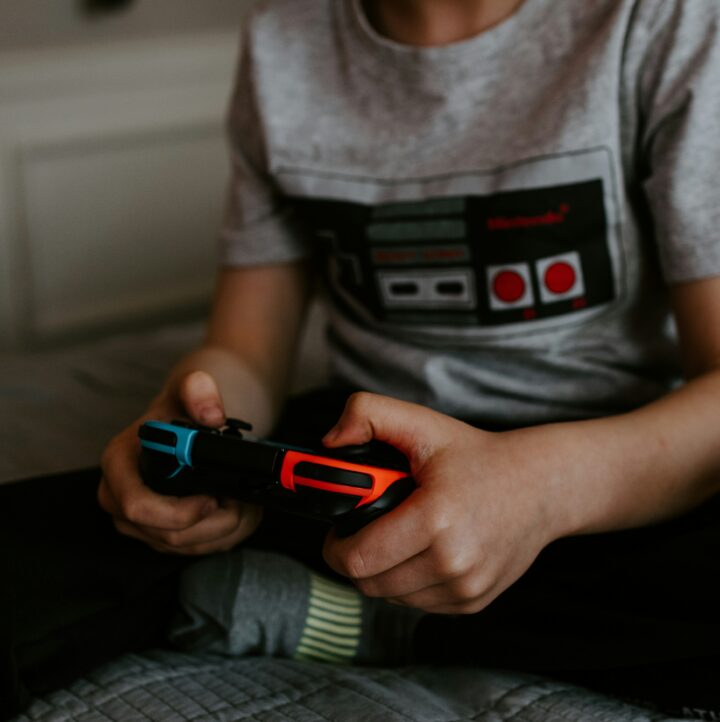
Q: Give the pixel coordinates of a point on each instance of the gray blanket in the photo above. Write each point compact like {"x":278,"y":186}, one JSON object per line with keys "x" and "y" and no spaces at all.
{"x":169,"y":687}
{"x":59,"y":408}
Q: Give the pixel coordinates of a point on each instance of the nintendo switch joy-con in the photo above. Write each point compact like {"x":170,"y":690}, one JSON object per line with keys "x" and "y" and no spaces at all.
{"x":348,"y":487}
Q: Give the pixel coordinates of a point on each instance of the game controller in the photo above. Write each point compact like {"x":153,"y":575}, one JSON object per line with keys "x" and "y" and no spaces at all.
{"x":347,"y":487}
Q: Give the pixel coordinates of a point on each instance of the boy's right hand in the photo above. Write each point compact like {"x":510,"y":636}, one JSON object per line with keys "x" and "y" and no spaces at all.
{"x":188,"y":525}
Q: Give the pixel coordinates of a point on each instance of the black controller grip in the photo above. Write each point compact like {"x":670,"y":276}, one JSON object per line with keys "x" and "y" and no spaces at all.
{"x":352,"y":521}
{"x":161,"y":474}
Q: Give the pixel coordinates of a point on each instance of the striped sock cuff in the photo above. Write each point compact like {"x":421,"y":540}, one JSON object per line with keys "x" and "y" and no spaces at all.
{"x":333,"y":623}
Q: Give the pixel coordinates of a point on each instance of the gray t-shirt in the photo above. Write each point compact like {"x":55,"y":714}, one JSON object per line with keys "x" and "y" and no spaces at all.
{"x":502,"y":215}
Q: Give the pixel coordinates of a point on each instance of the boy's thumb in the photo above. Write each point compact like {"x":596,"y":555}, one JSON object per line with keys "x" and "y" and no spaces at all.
{"x":370,"y":416}
{"x":201,"y":398}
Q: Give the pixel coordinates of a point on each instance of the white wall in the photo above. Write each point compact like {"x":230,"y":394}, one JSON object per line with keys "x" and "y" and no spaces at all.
{"x":112,"y":177}
{"x":26,"y":24}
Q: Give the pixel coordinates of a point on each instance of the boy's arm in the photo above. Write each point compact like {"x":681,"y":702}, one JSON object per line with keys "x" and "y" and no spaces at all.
{"x":242,"y":369}
{"x":488,"y":503}
{"x":250,"y":345}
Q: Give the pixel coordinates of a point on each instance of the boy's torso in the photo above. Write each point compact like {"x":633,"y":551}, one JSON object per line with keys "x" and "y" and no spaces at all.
{"x":485,"y":255}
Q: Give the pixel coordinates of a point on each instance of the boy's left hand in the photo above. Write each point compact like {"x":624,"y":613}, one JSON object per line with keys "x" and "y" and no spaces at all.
{"x":485,"y":506}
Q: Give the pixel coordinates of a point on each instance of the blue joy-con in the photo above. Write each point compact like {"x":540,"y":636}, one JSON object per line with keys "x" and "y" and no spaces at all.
{"x":170,"y":439}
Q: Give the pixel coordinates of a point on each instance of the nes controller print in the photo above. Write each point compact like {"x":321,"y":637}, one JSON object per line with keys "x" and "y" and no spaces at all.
{"x":472,"y":260}
{"x":477,"y":251}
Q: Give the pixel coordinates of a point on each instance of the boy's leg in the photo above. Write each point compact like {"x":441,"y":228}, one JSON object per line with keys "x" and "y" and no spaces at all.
{"x":75,"y":592}
{"x":633,"y":613}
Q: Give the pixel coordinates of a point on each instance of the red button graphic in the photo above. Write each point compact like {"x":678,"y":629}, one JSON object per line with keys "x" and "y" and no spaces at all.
{"x":509,"y":286}
{"x":560,"y":277}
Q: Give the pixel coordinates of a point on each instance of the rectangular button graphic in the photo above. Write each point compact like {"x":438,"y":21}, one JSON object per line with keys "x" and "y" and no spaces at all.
{"x":452,"y":289}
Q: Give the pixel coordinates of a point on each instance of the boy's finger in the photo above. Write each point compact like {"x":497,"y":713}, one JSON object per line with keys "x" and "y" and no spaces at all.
{"x":234,"y":521}
{"x":201,"y":398}
{"x":402,"y":424}
{"x":144,"y":508}
{"x":381,"y":546}
{"x":122,"y":493}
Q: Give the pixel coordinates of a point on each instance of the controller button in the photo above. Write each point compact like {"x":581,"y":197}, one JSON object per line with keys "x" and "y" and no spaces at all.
{"x":353,"y":450}
{"x":238,"y":425}
{"x":374,"y":453}
{"x":560,"y":277}
{"x":509,"y":286}
{"x":332,"y":475}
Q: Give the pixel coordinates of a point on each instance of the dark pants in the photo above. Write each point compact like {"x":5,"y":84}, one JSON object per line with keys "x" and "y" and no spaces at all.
{"x":635,"y":613}
{"x":76,"y":593}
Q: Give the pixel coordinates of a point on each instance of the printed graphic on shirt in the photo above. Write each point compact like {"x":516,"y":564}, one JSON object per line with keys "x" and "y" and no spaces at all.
{"x":525,"y":246}
{"x":510,"y":257}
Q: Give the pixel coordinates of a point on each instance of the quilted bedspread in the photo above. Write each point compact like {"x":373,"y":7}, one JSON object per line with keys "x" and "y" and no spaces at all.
{"x":170,"y":687}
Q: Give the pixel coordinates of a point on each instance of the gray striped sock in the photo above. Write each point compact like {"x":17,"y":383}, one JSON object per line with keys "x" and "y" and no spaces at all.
{"x":252,"y":602}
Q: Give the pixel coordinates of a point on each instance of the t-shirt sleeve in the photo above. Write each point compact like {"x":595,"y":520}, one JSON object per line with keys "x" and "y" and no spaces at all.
{"x":679,"y":96}
{"x":259,"y":225}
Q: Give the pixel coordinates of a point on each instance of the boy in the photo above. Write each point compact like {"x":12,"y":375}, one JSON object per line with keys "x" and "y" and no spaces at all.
{"x":513,"y":196}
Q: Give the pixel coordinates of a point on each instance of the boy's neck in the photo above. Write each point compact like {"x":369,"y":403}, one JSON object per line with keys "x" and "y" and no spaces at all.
{"x":436,"y":22}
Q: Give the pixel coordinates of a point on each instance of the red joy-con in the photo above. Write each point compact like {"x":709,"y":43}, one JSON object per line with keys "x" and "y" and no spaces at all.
{"x":380,"y":480}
